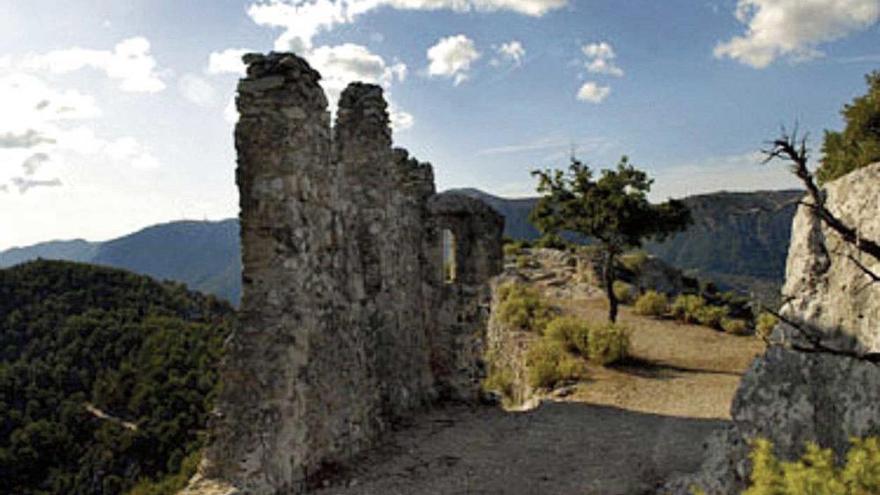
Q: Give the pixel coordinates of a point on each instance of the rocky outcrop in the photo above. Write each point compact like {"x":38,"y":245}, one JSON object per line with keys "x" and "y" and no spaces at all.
{"x":791,"y":396}
{"x":347,"y":321}
{"x":824,"y":289}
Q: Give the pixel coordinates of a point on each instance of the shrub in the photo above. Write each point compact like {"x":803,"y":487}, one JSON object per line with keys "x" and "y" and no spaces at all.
{"x":571,"y":332}
{"x":734,"y":326}
{"x":547,"y":364}
{"x":634,"y":261}
{"x":623,"y":292}
{"x":607,"y":343}
{"x":765,"y":324}
{"x":711,"y":316}
{"x":551,"y":241}
{"x":523,"y":308}
{"x":816,"y":471}
{"x":501,"y":380}
{"x":652,"y":303}
{"x":686,"y":307}
{"x":512,"y":249}
{"x":523,"y":261}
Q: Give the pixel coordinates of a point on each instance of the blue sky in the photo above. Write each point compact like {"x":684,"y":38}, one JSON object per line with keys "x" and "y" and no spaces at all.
{"x":117,"y":114}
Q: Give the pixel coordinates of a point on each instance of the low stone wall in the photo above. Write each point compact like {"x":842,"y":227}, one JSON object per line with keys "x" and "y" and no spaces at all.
{"x":347,"y":322}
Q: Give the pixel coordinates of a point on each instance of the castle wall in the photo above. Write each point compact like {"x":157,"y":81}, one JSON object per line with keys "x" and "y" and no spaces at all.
{"x":344,"y":310}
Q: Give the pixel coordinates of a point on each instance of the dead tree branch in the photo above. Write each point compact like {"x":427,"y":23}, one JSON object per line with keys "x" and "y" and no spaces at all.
{"x":789,"y":148}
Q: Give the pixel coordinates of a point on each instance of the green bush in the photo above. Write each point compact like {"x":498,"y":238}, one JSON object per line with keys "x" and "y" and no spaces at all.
{"x":685,"y":308}
{"x":551,"y":241}
{"x":816,"y":472}
{"x":571,"y":332}
{"x":652,"y":303}
{"x":523,"y":308}
{"x":512,"y":249}
{"x":711,"y":316}
{"x":607,"y":343}
{"x":765,"y":324}
{"x":501,"y":380}
{"x":623,"y":292}
{"x":547,"y":364}
{"x":734,"y":326}
{"x":634,"y":261}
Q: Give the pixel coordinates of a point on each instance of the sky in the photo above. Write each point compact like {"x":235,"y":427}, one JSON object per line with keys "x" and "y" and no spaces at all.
{"x":118,"y":115}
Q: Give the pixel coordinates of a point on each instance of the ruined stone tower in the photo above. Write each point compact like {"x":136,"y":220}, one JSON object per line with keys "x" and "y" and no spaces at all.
{"x":349,"y":318}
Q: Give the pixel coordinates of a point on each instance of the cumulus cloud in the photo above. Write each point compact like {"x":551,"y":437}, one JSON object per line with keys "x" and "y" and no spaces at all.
{"x":42,"y":125}
{"x":197,"y":90}
{"x":343,"y":64}
{"x":511,"y":52}
{"x":452,"y":57}
{"x":130,"y":62}
{"x":593,"y":93}
{"x":302,"y":20}
{"x":794,"y":28}
{"x":600,"y":59}
{"x":30,"y":106}
{"x":227,"y":62}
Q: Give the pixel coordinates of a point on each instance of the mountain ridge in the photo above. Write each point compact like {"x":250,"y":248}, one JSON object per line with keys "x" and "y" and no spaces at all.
{"x":739,"y":240}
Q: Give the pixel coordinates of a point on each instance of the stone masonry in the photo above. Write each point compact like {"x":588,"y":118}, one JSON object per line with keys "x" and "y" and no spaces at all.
{"x":347,"y":321}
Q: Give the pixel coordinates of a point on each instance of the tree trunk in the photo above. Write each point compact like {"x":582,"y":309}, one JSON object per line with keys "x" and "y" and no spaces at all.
{"x":608,"y":282}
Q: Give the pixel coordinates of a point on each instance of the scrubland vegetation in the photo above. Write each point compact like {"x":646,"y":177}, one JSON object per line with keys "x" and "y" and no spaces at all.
{"x":816,"y":472}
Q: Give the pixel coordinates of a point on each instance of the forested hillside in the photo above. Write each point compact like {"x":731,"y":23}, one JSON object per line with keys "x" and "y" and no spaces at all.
{"x":106,"y":377}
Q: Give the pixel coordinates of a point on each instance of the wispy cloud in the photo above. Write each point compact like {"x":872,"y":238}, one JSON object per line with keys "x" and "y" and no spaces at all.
{"x":742,"y":172}
{"x":550,"y":143}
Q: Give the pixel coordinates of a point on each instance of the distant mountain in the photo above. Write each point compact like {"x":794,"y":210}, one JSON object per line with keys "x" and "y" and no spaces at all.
{"x":75,"y":250}
{"x":738,"y":240}
{"x":203,"y":255}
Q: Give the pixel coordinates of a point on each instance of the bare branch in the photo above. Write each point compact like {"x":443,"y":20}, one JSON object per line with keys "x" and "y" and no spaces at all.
{"x":791,"y":149}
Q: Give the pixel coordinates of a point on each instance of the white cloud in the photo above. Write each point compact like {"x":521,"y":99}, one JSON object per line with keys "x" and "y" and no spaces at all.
{"x":227,"y":62}
{"x":197,"y":90}
{"x":593,"y":93}
{"x":302,"y":20}
{"x":511,"y":52}
{"x":794,"y":28}
{"x":452,"y":57}
{"x":347,"y":63}
{"x":600,"y":59}
{"x":30,"y":106}
{"x":130,"y":62}
{"x":42,"y":125}
{"x":230,"y":112}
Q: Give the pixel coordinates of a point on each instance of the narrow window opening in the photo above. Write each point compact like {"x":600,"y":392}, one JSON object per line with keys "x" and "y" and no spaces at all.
{"x":450,"y":266}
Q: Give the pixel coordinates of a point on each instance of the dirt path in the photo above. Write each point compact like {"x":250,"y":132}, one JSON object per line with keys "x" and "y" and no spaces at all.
{"x":622,"y":431}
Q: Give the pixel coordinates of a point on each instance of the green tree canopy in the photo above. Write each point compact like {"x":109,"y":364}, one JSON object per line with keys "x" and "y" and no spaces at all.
{"x":612,"y":209}
{"x":859,"y":142}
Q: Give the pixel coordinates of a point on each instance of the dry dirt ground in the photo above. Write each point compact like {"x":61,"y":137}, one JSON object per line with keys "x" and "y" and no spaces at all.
{"x":621,"y":431}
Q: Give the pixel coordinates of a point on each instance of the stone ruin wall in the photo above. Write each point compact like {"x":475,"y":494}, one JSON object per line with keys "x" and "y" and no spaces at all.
{"x":346,"y":321}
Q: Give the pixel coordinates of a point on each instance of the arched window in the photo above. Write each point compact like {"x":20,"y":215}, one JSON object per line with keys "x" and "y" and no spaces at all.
{"x":449,"y":264}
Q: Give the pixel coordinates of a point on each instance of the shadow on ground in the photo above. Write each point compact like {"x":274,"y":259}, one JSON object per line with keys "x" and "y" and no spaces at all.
{"x":563,"y":448}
